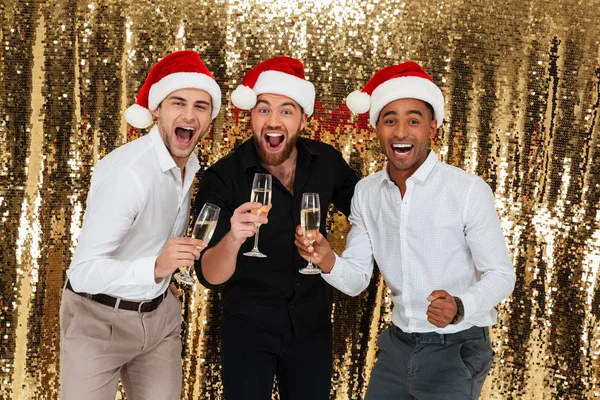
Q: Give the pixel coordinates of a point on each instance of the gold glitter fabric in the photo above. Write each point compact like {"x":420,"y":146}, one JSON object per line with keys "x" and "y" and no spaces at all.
{"x":521,"y":81}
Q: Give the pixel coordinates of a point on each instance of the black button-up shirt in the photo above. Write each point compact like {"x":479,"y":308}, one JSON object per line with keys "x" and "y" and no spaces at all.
{"x":270,"y":292}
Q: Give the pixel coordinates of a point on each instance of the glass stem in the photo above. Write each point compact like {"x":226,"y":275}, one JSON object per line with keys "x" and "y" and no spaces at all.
{"x":256,"y":239}
{"x":310,"y":264}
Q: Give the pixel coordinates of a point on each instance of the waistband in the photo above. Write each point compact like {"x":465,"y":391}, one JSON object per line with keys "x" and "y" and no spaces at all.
{"x":116,"y":302}
{"x":473,"y":333}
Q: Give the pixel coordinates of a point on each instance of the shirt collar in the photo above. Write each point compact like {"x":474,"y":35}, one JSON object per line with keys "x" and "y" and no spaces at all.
{"x":425,"y":169}
{"x":305,"y":153}
{"x":165,"y":160}
{"x":420,"y":174}
{"x":193,"y":164}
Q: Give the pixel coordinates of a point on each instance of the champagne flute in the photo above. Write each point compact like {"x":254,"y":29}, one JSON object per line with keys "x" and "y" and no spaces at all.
{"x":261,"y":193}
{"x":310,"y":220}
{"x":203,"y":229}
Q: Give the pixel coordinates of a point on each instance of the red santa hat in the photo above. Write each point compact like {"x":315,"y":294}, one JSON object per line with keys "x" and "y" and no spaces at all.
{"x":179,"y":70}
{"x":404,"y":81}
{"x":279,"y":75}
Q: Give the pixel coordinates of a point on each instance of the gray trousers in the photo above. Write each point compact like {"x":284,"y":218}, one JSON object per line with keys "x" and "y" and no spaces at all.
{"x":430,"y":366}
{"x":100,"y":344}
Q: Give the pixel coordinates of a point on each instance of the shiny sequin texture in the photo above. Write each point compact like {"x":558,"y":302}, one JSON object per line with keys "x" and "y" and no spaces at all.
{"x":521,"y":81}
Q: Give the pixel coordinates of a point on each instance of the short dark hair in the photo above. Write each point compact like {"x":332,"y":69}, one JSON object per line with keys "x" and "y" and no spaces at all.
{"x":430,"y":107}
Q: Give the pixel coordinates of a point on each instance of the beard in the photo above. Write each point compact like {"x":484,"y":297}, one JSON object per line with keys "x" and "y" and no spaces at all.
{"x":275,"y":159}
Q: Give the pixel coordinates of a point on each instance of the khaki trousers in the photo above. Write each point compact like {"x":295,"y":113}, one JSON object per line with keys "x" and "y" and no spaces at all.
{"x":100,"y":344}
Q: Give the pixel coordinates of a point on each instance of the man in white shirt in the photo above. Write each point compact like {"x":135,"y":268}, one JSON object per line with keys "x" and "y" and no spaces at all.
{"x":118,"y":320}
{"x":435,"y":235}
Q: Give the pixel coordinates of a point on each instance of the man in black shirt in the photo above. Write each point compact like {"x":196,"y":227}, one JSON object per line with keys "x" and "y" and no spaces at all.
{"x":276,"y":322}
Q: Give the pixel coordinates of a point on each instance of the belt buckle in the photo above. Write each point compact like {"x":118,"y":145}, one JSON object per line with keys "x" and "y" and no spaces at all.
{"x":139,"y":310}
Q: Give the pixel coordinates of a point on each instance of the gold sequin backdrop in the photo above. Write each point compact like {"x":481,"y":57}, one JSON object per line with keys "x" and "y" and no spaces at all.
{"x":521,"y":80}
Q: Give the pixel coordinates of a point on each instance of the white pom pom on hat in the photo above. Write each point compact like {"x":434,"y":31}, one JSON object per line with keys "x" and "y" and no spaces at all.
{"x":243,"y":97}
{"x":403,"y":81}
{"x":358,"y":102}
{"x":179,"y":70}
{"x":278,"y":75}
{"x":138,"y":116}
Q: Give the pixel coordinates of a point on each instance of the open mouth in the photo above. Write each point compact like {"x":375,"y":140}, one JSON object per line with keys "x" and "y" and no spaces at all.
{"x":401,"y":148}
{"x":184,"y":135}
{"x":274,"y":141}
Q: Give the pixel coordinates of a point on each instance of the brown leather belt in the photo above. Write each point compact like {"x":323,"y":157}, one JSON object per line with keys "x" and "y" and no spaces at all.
{"x":139,"y":306}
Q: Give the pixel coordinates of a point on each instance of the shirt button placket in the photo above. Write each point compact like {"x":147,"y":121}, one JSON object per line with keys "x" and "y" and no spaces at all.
{"x":403,"y":261}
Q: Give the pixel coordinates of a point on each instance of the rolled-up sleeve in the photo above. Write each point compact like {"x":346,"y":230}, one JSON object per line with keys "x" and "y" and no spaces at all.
{"x":214,"y":189}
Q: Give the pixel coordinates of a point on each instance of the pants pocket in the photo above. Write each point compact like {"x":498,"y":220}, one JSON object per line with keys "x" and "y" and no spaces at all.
{"x":381,"y":338}
{"x":70,"y":307}
{"x":173,"y":305}
{"x":92,"y":323}
{"x":475,"y":357}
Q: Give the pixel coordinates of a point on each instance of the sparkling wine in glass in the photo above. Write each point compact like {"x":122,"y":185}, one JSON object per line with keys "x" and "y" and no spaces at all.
{"x":310,"y":220}
{"x":203,"y":229}
{"x":261,"y":193}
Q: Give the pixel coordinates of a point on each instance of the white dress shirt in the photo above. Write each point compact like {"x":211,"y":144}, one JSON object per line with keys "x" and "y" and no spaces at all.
{"x":137,"y":201}
{"x":443,"y":235}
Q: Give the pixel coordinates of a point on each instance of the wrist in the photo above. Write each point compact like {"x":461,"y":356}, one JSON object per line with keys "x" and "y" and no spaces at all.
{"x":234,"y":243}
{"x":460,"y":311}
{"x":157,"y":277}
{"x":328,"y":262}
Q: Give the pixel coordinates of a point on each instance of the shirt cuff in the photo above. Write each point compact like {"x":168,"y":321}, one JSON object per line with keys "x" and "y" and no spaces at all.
{"x":143,"y":271}
{"x":337,"y":272}
{"x":469,"y":304}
